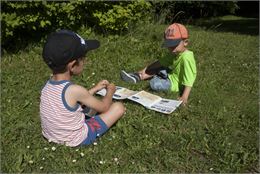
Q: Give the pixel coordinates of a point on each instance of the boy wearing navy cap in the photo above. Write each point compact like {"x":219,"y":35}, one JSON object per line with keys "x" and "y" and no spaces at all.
{"x":62,"y":102}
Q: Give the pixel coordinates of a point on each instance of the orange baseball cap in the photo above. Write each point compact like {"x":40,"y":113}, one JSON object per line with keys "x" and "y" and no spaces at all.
{"x":174,"y":34}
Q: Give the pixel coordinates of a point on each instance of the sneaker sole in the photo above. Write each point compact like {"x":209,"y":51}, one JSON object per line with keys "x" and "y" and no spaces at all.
{"x":126,"y":77}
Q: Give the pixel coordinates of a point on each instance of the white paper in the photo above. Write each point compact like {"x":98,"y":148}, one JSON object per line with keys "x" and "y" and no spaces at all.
{"x":166,"y":106}
{"x":120,"y":94}
{"x":144,"y":98}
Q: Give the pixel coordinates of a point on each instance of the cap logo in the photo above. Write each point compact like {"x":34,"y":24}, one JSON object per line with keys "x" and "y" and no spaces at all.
{"x":81,"y":39}
{"x":170,"y":33}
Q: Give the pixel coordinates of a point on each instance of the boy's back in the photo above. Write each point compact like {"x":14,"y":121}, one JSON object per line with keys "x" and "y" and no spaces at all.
{"x":60,"y":122}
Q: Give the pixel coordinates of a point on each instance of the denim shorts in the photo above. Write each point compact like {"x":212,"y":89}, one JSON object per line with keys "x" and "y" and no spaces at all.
{"x":96,"y":128}
{"x":158,"y":83}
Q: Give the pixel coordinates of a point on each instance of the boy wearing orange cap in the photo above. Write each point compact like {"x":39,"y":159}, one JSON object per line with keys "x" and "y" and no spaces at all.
{"x":175,"y":72}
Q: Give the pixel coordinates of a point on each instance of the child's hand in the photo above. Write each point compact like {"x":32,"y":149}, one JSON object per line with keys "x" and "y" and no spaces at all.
{"x":111,"y":87}
{"x":184,"y":100}
{"x":102,"y":84}
{"x":143,"y":74}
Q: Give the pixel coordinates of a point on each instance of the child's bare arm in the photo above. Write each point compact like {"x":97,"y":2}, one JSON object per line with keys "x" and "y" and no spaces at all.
{"x":76,"y":93}
{"x":150,"y":70}
{"x":102,"y":84}
{"x":185,"y":95}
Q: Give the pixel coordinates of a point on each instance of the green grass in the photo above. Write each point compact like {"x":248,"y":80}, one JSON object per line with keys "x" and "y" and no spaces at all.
{"x":217,"y":132}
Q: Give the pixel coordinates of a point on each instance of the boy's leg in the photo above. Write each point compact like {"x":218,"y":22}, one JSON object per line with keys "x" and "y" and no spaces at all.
{"x":160,"y":83}
{"x":144,"y":74}
{"x":130,"y":77}
{"x":99,"y":124}
{"x":114,"y":113}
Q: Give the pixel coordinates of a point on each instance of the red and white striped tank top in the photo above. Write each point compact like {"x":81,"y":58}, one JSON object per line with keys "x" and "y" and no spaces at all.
{"x":61,"y":123}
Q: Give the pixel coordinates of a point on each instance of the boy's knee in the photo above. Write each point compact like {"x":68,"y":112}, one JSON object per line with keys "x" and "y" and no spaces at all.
{"x":119,"y":107}
{"x":158,"y":84}
{"x":155,"y":84}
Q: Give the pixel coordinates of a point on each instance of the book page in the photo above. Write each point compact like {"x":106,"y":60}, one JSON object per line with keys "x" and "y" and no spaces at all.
{"x":166,"y":106}
{"x":144,"y":98}
{"x":120,"y":94}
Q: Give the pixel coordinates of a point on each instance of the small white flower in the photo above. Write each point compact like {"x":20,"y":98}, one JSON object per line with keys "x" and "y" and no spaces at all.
{"x":49,"y":141}
{"x":31,"y":162}
{"x":43,"y":158}
{"x":41,"y":168}
{"x":98,"y":135}
{"x":46,"y":148}
{"x":28,"y":147}
{"x":101,"y":162}
{"x":115,"y":159}
{"x":82,"y":154}
{"x":77,"y":150}
{"x":74,"y":161}
{"x":93,"y":73}
{"x":211,"y":168}
{"x":95,"y":143}
{"x":53,"y":148}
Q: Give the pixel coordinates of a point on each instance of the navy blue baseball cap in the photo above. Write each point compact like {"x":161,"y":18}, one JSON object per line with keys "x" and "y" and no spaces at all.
{"x":63,"y":46}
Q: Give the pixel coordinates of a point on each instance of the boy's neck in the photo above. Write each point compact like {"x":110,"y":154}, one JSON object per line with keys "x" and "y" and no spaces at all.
{"x":182,"y":51}
{"x":61,"y":76}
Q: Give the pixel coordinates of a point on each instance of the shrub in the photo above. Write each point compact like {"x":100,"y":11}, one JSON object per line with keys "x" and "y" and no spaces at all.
{"x":185,"y":10}
{"x":27,"y":18}
{"x":22,"y":21}
{"x":117,"y":18}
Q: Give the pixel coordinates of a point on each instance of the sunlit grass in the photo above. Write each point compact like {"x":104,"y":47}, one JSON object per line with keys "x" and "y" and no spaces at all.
{"x":217,"y":132}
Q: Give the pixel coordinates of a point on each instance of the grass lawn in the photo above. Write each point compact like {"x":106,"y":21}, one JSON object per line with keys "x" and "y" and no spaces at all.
{"x":217,"y":132}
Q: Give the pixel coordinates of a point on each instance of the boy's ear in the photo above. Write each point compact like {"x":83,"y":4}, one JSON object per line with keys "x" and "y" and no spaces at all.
{"x":71,"y":64}
{"x":186,"y":42}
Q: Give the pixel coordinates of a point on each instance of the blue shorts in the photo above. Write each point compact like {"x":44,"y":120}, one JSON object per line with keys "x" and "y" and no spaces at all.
{"x":96,"y":128}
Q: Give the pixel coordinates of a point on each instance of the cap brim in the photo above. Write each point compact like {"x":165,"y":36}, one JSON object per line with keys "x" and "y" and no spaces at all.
{"x":91,"y":44}
{"x":171,"y":42}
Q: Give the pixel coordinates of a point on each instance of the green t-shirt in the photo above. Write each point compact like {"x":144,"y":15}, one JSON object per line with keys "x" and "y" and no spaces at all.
{"x":183,"y":68}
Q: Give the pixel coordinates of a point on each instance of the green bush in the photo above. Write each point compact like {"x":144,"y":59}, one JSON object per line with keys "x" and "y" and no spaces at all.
{"x":29,"y":18}
{"x":24,"y":21}
{"x":32,"y":19}
{"x":118,"y":17}
{"x":186,"y":10}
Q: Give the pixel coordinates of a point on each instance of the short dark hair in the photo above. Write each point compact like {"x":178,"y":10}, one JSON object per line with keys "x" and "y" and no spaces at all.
{"x":60,"y":69}
{"x":63,"y":68}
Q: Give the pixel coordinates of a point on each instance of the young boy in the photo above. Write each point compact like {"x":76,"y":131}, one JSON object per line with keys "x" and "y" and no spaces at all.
{"x":61,"y":112}
{"x":175,"y":72}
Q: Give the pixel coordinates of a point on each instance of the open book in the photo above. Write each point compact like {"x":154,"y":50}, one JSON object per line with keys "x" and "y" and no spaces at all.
{"x":144,"y":98}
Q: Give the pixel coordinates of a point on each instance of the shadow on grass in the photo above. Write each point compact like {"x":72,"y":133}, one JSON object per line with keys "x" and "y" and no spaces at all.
{"x":247,"y":26}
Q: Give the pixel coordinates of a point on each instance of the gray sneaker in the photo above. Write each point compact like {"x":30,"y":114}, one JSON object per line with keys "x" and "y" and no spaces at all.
{"x":130,"y":77}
